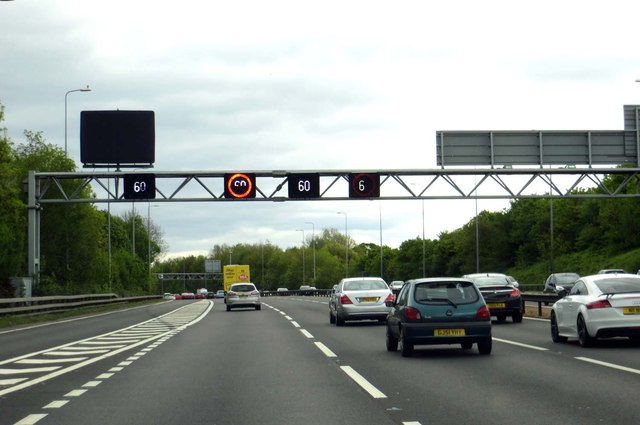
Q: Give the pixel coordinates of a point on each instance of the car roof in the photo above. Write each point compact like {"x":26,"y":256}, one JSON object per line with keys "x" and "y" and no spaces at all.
{"x":440,"y":279}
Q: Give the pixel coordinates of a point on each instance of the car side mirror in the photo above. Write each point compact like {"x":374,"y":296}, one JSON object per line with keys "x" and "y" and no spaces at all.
{"x":562,"y":292}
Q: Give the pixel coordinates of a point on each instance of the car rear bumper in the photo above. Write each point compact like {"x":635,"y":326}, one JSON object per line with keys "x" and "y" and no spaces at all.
{"x":243,"y":302}
{"x":360,"y":312}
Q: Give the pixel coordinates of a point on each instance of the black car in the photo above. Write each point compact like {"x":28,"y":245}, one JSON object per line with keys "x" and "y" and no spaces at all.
{"x":501,"y":296}
{"x":563,"y":280}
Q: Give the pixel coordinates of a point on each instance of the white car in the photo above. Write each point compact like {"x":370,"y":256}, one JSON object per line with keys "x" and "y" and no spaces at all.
{"x":243,"y":295}
{"x":598,"y":306}
{"x":359,"y":298}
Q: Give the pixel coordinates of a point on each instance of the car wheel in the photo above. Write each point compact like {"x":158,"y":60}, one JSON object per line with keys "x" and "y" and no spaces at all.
{"x":466,"y":345}
{"x":555,"y":335}
{"x":228,"y":307}
{"x":406,"y":347}
{"x":339,"y":320}
{"x":583,"y":334}
{"x":258,"y":307}
{"x":501,"y":317}
{"x":516,"y":317}
{"x":392,"y":341}
{"x":484,"y":346}
{"x":332,"y":318}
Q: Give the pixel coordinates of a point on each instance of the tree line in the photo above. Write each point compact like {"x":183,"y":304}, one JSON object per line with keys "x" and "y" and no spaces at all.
{"x":87,"y":250}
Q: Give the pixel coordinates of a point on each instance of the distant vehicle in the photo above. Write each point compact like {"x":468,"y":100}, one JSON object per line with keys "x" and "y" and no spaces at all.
{"x":168,"y":296}
{"x":235,"y":273}
{"x":438,"y":311}
{"x":200,"y":296}
{"x":219,"y":293}
{"x":558,"y":281}
{"x":611,"y":271}
{"x":306,"y":290}
{"x":177,"y":296}
{"x":502,"y":297}
{"x":396,"y":286}
{"x":188,"y":296}
{"x":512,"y":280}
{"x":359,"y":298}
{"x":282,"y":291}
{"x":598,"y":306}
{"x":243,"y":295}
{"x":211,"y":295}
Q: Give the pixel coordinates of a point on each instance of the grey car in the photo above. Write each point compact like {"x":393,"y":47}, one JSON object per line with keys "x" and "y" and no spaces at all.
{"x":359,"y":298}
{"x":557,"y":281}
{"x":243,"y":295}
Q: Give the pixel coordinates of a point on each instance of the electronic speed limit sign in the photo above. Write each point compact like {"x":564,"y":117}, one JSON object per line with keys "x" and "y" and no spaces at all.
{"x":304,"y":185}
{"x":364,"y":185}
{"x":240,"y":185}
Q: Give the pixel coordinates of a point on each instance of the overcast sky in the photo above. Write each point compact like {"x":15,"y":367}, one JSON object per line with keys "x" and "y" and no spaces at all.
{"x":297,"y":85}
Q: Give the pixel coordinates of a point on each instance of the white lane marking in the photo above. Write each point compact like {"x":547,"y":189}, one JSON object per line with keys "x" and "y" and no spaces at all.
{"x":74,"y":353}
{"x":306,"y":333}
{"x":31,"y":419}
{"x":56,"y":404}
{"x":283,"y":313}
{"x":606,"y":364}
{"x":360,"y":380}
{"x":519,"y":344}
{"x":325,"y":349}
{"x":91,"y":384}
{"x":411,"y":423}
{"x":12,"y":381}
{"x":75,"y":393}
{"x":104,"y":376}
{"x":116,"y":369}
{"x":124,"y":363}
{"x":49,"y":361}
{"x":294,"y":323}
{"x":288,"y":317}
{"x":30,"y":370}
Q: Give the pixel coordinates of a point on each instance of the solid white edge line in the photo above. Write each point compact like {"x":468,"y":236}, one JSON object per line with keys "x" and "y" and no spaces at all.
{"x":327,"y":352}
{"x":611,"y":365}
{"x":411,"y":423}
{"x":366,"y":385}
{"x":519,"y":344}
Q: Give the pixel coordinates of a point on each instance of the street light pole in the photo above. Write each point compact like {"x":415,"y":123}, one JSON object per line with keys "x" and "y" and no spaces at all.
{"x":65,"y":114}
{"x":303,"y":272}
{"x":346,"y":243}
{"x":313,"y":239}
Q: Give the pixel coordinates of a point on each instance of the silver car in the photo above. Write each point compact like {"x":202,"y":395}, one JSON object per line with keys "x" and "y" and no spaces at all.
{"x":243,"y":295}
{"x":359,"y":298}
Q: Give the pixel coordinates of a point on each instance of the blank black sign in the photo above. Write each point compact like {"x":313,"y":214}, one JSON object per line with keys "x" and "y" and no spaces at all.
{"x":123,"y":138}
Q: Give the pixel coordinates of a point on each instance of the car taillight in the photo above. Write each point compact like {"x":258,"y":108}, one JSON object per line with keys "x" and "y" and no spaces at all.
{"x":232,"y":293}
{"x":515,"y":293}
{"x":345,"y":300}
{"x":598,"y":304}
{"x":255,"y":293}
{"x":411,"y":313}
{"x":483,"y":313}
{"x":390,"y":298}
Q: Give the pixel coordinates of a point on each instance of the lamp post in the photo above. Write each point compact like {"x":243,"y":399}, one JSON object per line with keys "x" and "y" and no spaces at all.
{"x":65,"y":113}
{"x":313,"y":239}
{"x":346,"y":243}
{"x":303,"y":273}
{"x":424,"y":259}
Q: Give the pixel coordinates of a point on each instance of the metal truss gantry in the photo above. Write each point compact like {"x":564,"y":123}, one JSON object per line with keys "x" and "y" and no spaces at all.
{"x":208,"y":186}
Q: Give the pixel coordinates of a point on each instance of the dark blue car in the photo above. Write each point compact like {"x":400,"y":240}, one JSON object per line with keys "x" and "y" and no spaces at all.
{"x":438,"y":311}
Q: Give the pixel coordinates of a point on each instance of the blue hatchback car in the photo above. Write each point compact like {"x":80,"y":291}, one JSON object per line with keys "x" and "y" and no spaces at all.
{"x":438,"y":311}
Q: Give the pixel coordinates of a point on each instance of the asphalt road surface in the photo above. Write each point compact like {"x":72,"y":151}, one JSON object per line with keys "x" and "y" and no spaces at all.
{"x":192,"y":362}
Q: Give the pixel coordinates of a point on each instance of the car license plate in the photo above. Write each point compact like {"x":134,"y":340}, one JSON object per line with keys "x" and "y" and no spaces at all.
{"x":448,"y":332}
{"x":631,"y":310}
{"x":496,"y":305}
{"x":368,"y":299}
{"x":243,"y":295}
